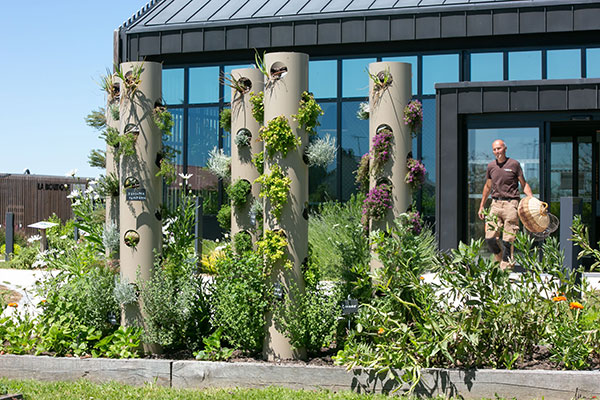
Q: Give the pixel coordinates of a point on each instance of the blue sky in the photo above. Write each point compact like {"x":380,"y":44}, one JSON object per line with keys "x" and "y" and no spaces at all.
{"x":53,"y":54}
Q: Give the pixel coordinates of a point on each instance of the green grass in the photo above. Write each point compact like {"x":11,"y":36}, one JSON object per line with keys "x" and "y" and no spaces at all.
{"x":83,"y":389}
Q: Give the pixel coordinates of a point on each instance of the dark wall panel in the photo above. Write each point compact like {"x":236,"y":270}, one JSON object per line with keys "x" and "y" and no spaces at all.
{"x":553,"y":98}
{"x":559,"y":19}
{"x":237,"y":38}
{"x":402,"y":28}
{"x":583,"y":97}
{"x":259,"y":36}
{"x":523,"y":99}
{"x":532,"y":20}
{"x":587,"y":17}
{"x":282,"y":35}
{"x":505,"y":22}
{"x":427,"y":26}
{"x":170,"y":42}
{"x":214,"y":39}
{"x":479,"y":23}
{"x":454,"y":25}
{"x":193,"y":41}
{"x":133,"y":48}
{"x":378,"y":29}
{"x":495,"y":99}
{"x":149,"y":44}
{"x":305,"y":33}
{"x":329,"y":32}
{"x":469,"y":101}
{"x":353,"y":30}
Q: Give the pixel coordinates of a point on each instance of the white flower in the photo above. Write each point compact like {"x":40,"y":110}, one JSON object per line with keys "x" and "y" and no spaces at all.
{"x":38,"y":264}
{"x":63,"y":237}
{"x":92,"y":182}
{"x":74,"y":194}
{"x":89,"y":189}
{"x":34,"y":238}
{"x":71,"y":172}
{"x":185,"y":177}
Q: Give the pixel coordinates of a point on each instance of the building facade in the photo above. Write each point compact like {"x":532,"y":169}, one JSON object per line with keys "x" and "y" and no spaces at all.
{"x":525,"y":71}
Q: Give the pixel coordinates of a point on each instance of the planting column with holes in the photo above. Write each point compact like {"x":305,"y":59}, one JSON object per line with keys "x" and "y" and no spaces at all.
{"x":140,"y":188}
{"x":112,"y":160}
{"x":387,"y":100}
{"x":288,"y":79}
{"x":243,"y":125}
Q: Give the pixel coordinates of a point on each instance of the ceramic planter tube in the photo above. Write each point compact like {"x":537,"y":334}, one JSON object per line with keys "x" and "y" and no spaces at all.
{"x":112,"y":165}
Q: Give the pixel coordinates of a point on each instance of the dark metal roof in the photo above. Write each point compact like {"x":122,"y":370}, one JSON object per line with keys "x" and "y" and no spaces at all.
{"x":163,"y":14}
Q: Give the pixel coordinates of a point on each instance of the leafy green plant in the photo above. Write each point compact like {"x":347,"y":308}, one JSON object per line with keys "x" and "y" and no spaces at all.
{"x":259,"y":62}
{"x":97,"y":159}
{"x":167,"y":171}
{"x":132,"y":79}
{"x":273,"y":247}
{"x":224,"y":217}
{"x":126,"y":145}
{"x":381,"y":80}
{"x":275,"y":187}
{"x":308,"y":113}
{"x":321,"y":152}
{"x":258,"y":160}
{"x":238,"y":192}
{"x":96,"y":119}
{"x":362,"y":173}
{"x":581,"y":238}
{"x":108,"y":185}
{"x":278,"y":137}
{"x":258,"y":106}
{"x":108,"y":84}
{"x":111,"y":136}
{"x":225,"y":119}
{"x":242,"y":242}
{"x":242,"y":137}
{"x":125,"y":342}
{"x":115,"y":113}
{"x":213,"y":350}
{"x":163,"y":119}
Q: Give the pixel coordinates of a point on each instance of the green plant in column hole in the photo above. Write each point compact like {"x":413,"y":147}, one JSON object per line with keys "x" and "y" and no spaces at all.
{"x":225,"y":119}
{"x":260,"y":63}
{"x":242,"y":242}
{"x":164,"y":122}
{"x":258,"y":106}
{"x":273,"y":247}
{"x":108,"y":185}
{"x":166,"y":170}
{"x":377,"y":202}
{"x":258,"y":160}
{"x":275,"y":187}
{"x":126,"y":142}
{"x":278,"y":137}
{"x":308,"y":113}
{"x":413,"y":116}
{"x":362,"y":173}
{"x":115,"y":113}
{"x":238,"y":192}
{"x":242,"y":137}
{"x":96,"y":119}
{"x":97,"y":158}
{"x":381,"y":80}
{"x":132,"y":79}
{"x":224,"y":217}
{"x":163,"y":119}
{"x":110,"y":86}
{"x":111,"y":137}
{"x":381,"y":148}
{"x":241,"y":85}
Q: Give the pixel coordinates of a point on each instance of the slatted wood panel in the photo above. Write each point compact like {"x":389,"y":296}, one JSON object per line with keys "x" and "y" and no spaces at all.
{"x":34,"y":198}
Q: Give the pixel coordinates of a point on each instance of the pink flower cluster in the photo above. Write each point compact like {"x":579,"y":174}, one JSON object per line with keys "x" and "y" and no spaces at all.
{"x":377,"y":202}
{"x":414,"y":220}
{"x":413,"y":115}
{"x":415,"y":176}
{"x":382,"y":144}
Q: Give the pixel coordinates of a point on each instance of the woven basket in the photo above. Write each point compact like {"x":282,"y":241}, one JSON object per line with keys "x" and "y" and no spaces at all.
{"x":534,"y":214}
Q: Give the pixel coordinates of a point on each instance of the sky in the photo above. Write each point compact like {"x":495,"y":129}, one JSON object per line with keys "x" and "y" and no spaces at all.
{"x":52,"y":55}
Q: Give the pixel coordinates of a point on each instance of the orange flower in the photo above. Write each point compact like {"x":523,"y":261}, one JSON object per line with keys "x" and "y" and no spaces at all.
{"x":559,"y":298}
{"x":575,"y":304}
{"x":380,"y":331}
{"x":43,"y":302}
{"x":15,"y":305}
{"x":422,"y":278}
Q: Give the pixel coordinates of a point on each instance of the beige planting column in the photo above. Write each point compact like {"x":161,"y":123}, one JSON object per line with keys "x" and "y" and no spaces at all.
{"x":241,"y":156}
{"x":112,"y":165}
{"x":387,"y":108}
{"x":283,"y":91}
{"x":140,"y":189}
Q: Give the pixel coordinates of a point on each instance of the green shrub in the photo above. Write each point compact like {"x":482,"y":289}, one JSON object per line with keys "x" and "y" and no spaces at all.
{"x":278,"y":137}
{"x":242,"y":242}
{"x":225,"y":119}
{"x":224,"y":217}
{"x":238,"y":192}
{"x":258,"y":107}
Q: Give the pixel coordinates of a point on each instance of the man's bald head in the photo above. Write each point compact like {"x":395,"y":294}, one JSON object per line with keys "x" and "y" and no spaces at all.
{"x":499,"y":150}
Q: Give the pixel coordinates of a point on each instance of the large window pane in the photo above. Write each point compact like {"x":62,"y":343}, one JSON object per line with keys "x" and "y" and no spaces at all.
{"x":563,"y":64}
{"x":322,"y":78}
{"x":413,"y":61}
{"x":524,"y":65}
{"x":202,"y":134}
{"x":204,"y":85}
{"x":355,"y":80}
{"x":355,"y":143}
{"x":592,"y":63}
{"x":322,"y":180}
{"x":172,"y":86}
{"x":428,"y":157}
{"x":439,"y":68}
{"x":522,"y":145}
{"x":175,"y":141}
{"x":487,"y":67}
{"x":226,"y":89}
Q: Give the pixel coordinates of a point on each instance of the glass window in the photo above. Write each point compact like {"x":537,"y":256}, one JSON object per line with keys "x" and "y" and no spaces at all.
{"x":322,"y":181}
{"x":524,"y":65}
{"x":592,"y":63}
{"x":322,"y":78}
{"x":202,"y":134}
{"x":563,"y":64}
{"x":438,"y":69}
{"x":355,"y":80}
{"x":522,"y":145}
{"x":428,"y":156}
{"x":226,"y":89}
{"x":204,"y":85}
{"x":175,"y":141}
{"x":354,"y":143}
{"x":413,"y":61}
{"x":487,"y":67}
{"x":172,"y":86}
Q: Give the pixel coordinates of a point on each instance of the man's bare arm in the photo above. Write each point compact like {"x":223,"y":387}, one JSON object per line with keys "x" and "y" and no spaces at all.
{"x":525,"y":186}
{"x":486,"y":192}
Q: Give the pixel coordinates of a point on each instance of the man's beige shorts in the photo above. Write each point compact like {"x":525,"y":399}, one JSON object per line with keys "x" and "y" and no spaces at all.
{"x":507,"y":222}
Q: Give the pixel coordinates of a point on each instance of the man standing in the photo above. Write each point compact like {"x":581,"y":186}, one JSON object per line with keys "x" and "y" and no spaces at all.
{"x":502,"y":181}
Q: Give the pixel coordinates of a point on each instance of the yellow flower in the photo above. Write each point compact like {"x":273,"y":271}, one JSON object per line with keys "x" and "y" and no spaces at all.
{"x":380,"y":331}
{"x":575,"y":305}
{"x":559,"y":298}
{"x":15,"y":305}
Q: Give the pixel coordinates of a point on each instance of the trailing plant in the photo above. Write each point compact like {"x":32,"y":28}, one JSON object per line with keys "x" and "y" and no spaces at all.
{"x":132,"y":79}
{"x":167,"y":171}
{"x":413,"y":116}
{"x":225,"y":119}
{"x":415,"y":177}
{"x":256,"y":214}
{"x":97,"y":159}
{"x":321,"y":152}
{"x":258,"y":160}
{"x":241,"y":85}
{"x":111,"y":136}
{"x":242,"y":242}
{"x":224,"y":217}
{"x":108,"y":185}
{"x":242,"y":137}
{"x":273,"y":248}
{"x":258,"y":106}
{"x":378,"y":202}
{"x":381,"y":147}
{"x":259,"y":62}
{"x":219,"y":163}
{"x":381,"y":81}
{"x":308,"y":113}
{"x":96,"y":119}
{"x":113,"y":108}
{"x":213,"y":350}
{"x":278,"y":137}
{"x":163,"y":120}
{"x":275,"y":186}
{"x":238,"y":192}
{"x":111,"y":88}
{"x":126,"y":145}
{"x":362,"y":173}
{"x":363,"y":111}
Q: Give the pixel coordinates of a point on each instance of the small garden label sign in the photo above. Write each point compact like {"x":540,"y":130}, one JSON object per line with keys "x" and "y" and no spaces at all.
{"x":136,"y":194}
